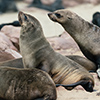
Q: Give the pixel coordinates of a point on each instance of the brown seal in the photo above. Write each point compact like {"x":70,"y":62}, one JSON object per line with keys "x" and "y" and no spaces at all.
{"x":84,"y":33}
{"x":37,"y":52}
{"x":26,"y":84}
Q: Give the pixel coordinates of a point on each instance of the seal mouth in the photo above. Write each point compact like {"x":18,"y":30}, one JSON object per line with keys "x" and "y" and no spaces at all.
{"x":52,"y":16}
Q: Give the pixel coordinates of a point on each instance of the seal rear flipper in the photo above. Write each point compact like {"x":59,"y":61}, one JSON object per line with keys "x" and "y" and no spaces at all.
{"x":85,"y":84}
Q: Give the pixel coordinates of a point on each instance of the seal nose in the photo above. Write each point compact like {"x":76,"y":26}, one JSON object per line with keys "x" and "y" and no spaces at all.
{"x":22,"y":17}
{"x":50,"y":14}
{"x":52,"y":17}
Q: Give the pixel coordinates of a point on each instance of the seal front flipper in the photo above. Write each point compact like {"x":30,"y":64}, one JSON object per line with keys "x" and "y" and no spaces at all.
{"x":85,"y":84}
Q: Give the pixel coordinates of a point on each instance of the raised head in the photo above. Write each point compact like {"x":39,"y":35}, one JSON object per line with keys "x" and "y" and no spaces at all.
{"x":61,"y":16}
{"x":29,"y":24}
{"x":71,"y":22}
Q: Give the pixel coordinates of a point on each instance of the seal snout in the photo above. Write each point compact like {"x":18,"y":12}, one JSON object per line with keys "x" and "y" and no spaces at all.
{"x":52,"y":16}
{"x":21,"y":17}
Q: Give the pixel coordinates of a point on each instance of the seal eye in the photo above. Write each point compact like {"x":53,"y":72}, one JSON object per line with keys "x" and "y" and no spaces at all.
{"x":25,"y":17}
{"x":69,"y":18}
{"x":58,"y":15}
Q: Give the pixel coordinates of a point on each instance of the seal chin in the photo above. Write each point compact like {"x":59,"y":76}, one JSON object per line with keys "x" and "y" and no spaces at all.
{"x":52,"y":17}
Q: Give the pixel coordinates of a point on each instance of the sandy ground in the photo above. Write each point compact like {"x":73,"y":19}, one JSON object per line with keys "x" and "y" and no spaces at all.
{"x":52,"y":29}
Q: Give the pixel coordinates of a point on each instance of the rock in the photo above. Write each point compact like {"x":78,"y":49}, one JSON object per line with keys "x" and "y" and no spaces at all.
{"x":64,"y":44}
{"x":4,"y":56}
{"x":13,"y":33}
{"x":5,"y":43}
{"x":7,"y":49}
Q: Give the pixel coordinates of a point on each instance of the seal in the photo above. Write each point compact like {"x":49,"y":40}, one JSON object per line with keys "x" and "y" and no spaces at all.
{"x":96,"y":18}
{"x":86,"y":35}
{"x":37,"y":52}
{"x":14,"y":85}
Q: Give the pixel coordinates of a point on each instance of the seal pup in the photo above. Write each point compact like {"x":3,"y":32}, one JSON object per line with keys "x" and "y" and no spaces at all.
{"x":26,"y":84}
{"x":37,"y":52}
{"x":86,"y":35}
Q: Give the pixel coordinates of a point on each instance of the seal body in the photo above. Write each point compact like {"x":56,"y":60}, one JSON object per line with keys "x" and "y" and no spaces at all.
{"x":37,"y":52}
{"x":26,"y":84}
{"x":84,"y":33}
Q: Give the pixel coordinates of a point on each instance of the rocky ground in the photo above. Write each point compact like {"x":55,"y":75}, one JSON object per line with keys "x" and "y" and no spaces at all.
{"x":9,"y":43}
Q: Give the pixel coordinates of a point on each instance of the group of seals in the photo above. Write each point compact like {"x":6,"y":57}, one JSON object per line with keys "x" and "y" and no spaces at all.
{"x":37,"y":52}
{"x":25,"y":84}
{"x":32,"y":83}
{"x":86,"y":35}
